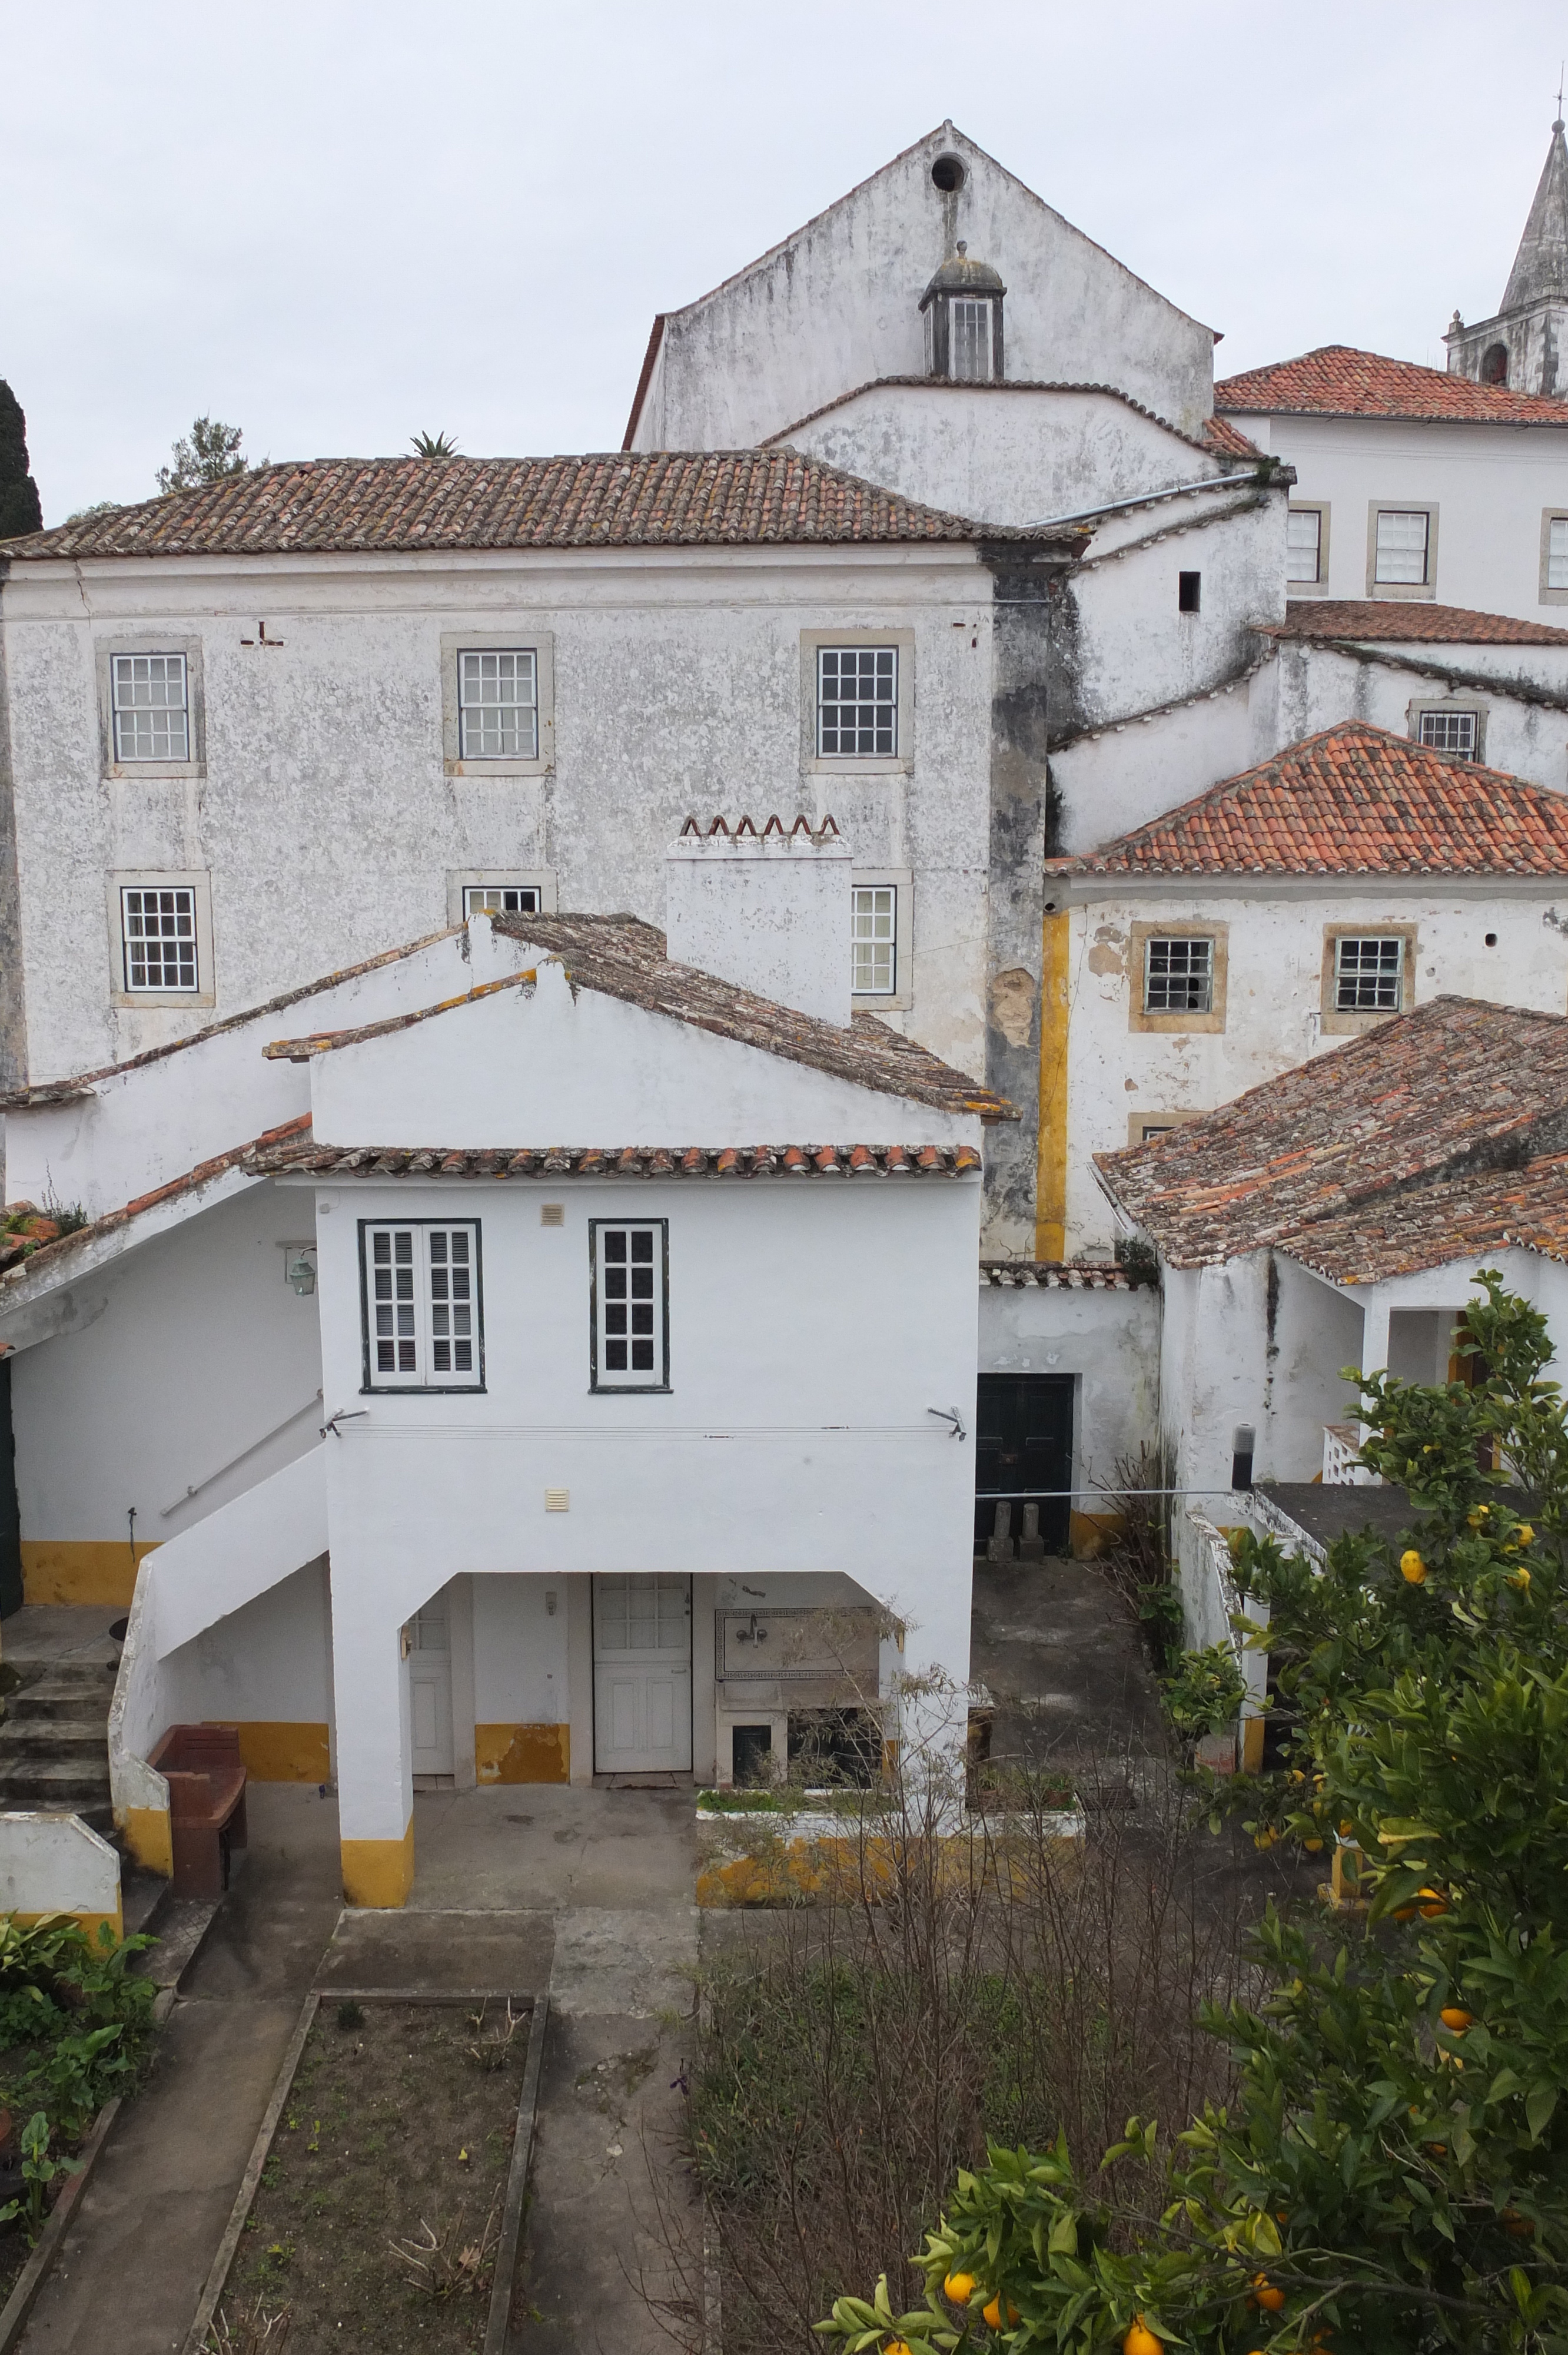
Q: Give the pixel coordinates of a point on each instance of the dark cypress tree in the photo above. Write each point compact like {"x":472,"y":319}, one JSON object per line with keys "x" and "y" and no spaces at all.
{"x":20,"y":510}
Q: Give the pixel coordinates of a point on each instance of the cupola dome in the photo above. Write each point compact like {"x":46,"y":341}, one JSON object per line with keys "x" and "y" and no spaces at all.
{"x":962,"y":308}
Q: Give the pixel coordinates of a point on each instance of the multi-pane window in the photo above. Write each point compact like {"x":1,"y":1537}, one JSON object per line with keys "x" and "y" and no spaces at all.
{"x":422,"y":1305}
{"x":968,"y":330}
{"x":500,"y":898}
{"x":1178,"y":975}
{"x":1304,"y":544}
{"x":1457,"y":732}
{"x":1403,"y":538}
{"x":158,"y":928}
{"x":1557,"y":552}
{"x":151,"y":717}
{"x":1368,"y":974}
{"x":498,"y":705}
{"x":876,"y":928}
{"x":630,"y":1337}
{"x":641,"y":1611}
{"x":857,"y":702}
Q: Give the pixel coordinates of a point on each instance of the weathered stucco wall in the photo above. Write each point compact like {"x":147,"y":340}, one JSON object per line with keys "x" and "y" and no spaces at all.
{"x":1317,"y":687}
{"x":1109,"y":1341}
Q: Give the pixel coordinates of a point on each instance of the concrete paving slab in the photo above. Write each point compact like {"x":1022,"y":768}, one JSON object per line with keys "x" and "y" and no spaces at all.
{"x":455,"y":1951}
{"x":1063,"y":1662}
{"x":60,"y":1631}
{"x":521,"y":1846}
{"x":635,"y":1962}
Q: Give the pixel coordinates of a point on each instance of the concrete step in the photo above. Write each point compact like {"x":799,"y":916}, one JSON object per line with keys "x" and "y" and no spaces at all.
{"x":53,"y":1782}
{"x":51,"y":1737}
{"x":50,"y":1699}
{"x":97,"y":1813}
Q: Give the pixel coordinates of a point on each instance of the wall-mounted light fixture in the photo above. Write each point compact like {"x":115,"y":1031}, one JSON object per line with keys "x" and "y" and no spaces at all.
{"x":300,"y":1268}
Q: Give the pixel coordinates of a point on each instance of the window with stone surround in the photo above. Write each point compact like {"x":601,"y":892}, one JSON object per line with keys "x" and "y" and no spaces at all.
{"x":420,"y":1280}
{"x":151,"y":707}
{"x":1368,"y":972}
{"x":498,"y":704}
{"x":875,"y":940}
{"x":1178,"y":974}
{"x":857,"y":703}
{"x":158,"y":932}
{"x":1456,"y":733}
{"x":500,"y":898}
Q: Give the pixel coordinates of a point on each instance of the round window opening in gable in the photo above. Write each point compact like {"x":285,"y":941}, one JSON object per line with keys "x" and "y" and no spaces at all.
{"x":949,"y":175}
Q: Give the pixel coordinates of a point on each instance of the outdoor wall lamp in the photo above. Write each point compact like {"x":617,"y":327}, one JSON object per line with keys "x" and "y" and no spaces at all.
{"x":300,"y":1268}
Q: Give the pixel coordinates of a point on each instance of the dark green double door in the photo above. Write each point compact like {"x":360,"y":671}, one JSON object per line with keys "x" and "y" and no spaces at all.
{"x":1023,"y":1439}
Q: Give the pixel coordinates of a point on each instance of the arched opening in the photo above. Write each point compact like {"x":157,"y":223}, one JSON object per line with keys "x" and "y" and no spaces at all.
{"x":947,"y":174}
{"x":1493,"y":364}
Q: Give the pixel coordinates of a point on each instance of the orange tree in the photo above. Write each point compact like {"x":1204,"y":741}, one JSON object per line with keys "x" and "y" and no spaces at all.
{"x":1393,"y":2174}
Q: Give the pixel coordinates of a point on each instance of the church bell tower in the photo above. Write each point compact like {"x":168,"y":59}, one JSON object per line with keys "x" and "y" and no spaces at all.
{"x":1525,"y":346}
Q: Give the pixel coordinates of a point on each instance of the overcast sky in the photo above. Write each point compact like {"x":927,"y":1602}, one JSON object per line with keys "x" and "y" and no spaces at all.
{"x":337,"y":224}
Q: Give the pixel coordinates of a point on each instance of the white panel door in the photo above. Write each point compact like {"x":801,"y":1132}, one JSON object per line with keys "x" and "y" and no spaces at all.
{"x":642,"y":1674}
{"x":431,"y":1692}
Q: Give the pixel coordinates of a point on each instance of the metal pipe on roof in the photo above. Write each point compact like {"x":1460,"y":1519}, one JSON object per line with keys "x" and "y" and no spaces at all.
{"x":1147,"y":499}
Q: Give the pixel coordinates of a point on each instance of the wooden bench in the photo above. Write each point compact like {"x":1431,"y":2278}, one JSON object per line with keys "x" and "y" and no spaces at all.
{"x":206,"y":1804}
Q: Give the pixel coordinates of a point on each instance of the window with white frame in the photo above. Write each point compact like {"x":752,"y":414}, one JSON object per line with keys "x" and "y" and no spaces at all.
{"x":1403,"y":536}
{"x":158,"y":929}
{"x":500,"y":898}
{"x":1557,"y":552}
{"x":876,"y":936}
{"x":968,"y":330}
{"x":1304,"y":544}
{"x":152,"y":711}
{"x":1457,"y":732}
{"x":1178,"y":975}
{"x":1368,"y":972}
{"x":498,"y":704}
{"x":629,"y":1273}
{"x":857,"y":703}
{"x":422,"y":1325}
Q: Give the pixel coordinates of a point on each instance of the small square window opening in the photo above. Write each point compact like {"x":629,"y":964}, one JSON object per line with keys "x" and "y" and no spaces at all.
{"x":875,"y":920}
{"x":152,"y":719}
{"x":1179,"y":976}
{"x":1402,"y":543}
{"x":630,"y":1266}
{"x":1369,"y":974}
{"x":1304,"y":544}
{"x":422,"y":1306}
{"x":158,"y":927}
{"x":1557,"y":552}
{"x":500,"y":898}
{"x":1456,"y":733}
{"x":857,"y":703}
{"x":498,"y":705}
{"x":1189,"y":592}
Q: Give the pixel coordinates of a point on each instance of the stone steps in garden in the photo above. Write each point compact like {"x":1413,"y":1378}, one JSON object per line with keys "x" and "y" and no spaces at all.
{"x":54,"y":1743}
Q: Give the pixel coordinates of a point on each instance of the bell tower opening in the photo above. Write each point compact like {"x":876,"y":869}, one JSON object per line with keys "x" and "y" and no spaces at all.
{"x":1493,"y":364}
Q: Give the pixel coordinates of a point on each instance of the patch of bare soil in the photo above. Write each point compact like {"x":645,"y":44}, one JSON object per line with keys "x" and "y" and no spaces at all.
{"x":375,"y":2222}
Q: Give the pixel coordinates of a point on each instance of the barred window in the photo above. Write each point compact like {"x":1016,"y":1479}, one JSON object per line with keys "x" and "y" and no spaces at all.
{"x":152,"y":718}
{"x":1368,"y":974}
{"x":631,"y":1283}
{"x":1304,"y":544}
{"x":422,"y":1305}
{"x":1178,"y":976}
{"x":875,"y":922}
{"x":857,"y":702}
{"x":1457,"y":732}
{"x":158,"y":927}
{"x":969,"y":341}
{"x":1557,"y":552}
{"x":500,"y":898}
{"x":498,"y":705}
{"x":1403,"y":538}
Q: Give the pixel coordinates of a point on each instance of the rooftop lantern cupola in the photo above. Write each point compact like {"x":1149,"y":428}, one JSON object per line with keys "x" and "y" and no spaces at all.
{"x":962,"y":308}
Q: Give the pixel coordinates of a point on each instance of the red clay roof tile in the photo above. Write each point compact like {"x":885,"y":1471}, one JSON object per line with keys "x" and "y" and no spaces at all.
{"x":1390,"y":622}
{"x":1337,"y":381}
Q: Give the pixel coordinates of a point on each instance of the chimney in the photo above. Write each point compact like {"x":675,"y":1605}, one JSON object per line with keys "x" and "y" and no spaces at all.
{"x":768,"y":911}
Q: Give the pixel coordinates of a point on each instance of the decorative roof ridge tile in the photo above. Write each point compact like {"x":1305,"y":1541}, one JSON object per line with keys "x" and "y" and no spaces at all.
{"x":1056,"y":1275}
{"x":295,"y":1155}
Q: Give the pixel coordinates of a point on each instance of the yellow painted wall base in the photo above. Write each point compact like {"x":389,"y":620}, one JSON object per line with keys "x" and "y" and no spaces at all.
{"x":1252,"y":1732}
{"x":90,"y":1923}
{"x":281,"y":1749}
{"x":523,"y":1753}
{"x":148,"y":1836}
{"x":1087,"y":1533}
{"x":378,"y":1873}
{"x":85,"y":1570}
{"x":784,"y":1871}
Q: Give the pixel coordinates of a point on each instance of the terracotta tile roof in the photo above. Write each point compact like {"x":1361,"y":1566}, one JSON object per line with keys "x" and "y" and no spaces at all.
{"x":1440,"y":1106}
{"x":1355,"y":800}
{"x":1392,"y":621}
{"x":659,"y":499}
{"x":552,"y":1162}
{"x":622,"y":957}
{"x":1053,"y":1276}
{"x":1229,"y":440}
{"x":1336,"y":380}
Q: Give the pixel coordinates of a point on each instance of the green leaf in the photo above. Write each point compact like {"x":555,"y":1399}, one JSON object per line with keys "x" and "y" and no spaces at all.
{"x":1539,"y":2104}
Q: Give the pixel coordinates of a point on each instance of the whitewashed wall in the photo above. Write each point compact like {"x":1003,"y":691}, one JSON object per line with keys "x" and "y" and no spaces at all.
{"x":1316,"y":688}
{"x":1109,"y":1341}
{"x":1491,"y":482}
{"x":270,"y":1660}
{"x":1274,"y":993}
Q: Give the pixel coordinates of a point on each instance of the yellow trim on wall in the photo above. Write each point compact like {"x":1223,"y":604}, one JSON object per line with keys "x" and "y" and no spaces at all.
{"x":1252,"y":1732}
{"x":378,"y":1873}
{"x":281,"y":1750}
{"x":80,"y":1570}
{"x":1051,"y":1151}
{"x":150,"y":1839}
{"x":1089,"y":1533}
{"x":90,"y":1923}
{"x":523,"y":1753}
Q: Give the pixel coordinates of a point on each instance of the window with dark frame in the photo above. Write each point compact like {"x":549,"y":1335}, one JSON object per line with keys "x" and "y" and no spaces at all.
{"x":158,"y":927}
{"x":1456,"y":733}
{"x":498,"y":704}
{"x":630,"y":1284}
{"x":1179,"y":976}
{"x":500,"y":898}
{"x":1368,"y":972}
{"x":857,"y":703}
{"x":422,"y":1310}
{"x":152,"y":714}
